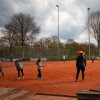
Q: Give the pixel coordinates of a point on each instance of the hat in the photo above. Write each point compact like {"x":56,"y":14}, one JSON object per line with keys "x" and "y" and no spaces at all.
{"x":80,"y":52}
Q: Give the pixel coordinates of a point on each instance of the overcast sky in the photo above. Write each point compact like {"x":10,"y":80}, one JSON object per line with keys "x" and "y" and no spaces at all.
{"x":72,"y":16}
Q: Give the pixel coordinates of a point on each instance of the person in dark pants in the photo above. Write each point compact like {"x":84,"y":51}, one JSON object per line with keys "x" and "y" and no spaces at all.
{"x":39,"y":67}
{"x":19,"y":67}
{"x":1,"y":70}
{"x":80,"y":64}
{"x":92,"y":59}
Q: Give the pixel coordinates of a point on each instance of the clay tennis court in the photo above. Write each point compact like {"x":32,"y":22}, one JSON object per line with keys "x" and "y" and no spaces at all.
{"x":58,"y":77}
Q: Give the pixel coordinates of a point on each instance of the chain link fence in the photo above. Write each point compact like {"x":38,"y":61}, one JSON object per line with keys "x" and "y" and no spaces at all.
{"x":51,"y":54}
{"x":25,"y":52}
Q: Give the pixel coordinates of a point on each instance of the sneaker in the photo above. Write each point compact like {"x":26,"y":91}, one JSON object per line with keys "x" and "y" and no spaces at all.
{"x":41,"y":78}
{"x":18,"y":77}
{"x":75,"y":80}
{"x":37,"y":77}
{"x":22,"y":76}
{"x":82,"y":80}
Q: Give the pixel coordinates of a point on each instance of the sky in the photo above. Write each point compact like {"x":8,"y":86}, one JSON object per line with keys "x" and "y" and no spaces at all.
{"x":72,"y":16}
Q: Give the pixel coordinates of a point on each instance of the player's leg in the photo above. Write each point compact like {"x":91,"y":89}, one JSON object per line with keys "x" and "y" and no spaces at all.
{"x":39,"y":73}
{"x":2,"y":73}
{"x":18,"y":74}
{"x":38,"y":76}
{"x":22,"y":73}
{"x":78,"y":71}
{"x":82,"y":70}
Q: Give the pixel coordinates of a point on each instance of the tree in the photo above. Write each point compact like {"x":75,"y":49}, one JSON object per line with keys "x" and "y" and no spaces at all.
{"x":48,"y":42}
{"x":24,"y":25}
{"x":8,"y":36}
{"x":3,"y":43}
{"x":70,"y":45}
{"x":54,"y":41}
{"x":93,"y":49}
{"x":94,"y":27}
{"x":21,"y":26}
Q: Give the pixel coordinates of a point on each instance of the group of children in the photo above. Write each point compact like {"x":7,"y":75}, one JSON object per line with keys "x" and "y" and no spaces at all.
{"x":19,"y":67}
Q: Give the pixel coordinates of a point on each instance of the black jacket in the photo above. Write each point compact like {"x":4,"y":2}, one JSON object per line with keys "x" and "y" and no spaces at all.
{"x":81,"y":61}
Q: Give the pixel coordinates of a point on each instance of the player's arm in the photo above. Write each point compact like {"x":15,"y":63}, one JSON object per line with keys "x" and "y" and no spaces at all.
{"x":40,"y":64}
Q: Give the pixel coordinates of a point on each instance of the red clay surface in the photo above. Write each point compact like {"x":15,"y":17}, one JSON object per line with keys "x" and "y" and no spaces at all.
{"x":58,"y":77}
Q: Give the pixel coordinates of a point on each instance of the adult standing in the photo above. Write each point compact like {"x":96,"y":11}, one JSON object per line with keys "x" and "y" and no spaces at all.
{"x":80,"y":64}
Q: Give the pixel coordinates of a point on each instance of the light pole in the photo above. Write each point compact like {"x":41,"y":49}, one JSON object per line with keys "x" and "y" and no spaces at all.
{"x":58,"y":31}
{"x":89,"y":33}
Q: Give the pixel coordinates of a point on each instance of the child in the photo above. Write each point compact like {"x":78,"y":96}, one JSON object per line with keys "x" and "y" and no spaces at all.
{"x":1,"y":70}
{"x":92,"y":59}
{"x":19,"y":67}
{"x":39,"y":64}
{"x":64,"y":58}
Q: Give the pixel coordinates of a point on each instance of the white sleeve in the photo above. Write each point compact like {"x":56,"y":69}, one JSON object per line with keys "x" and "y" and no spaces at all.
{"x":40,"y":64}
